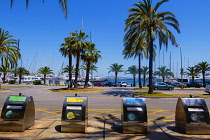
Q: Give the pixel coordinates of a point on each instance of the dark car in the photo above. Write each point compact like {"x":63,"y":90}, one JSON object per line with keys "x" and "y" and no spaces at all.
{"x":194,"y":84}
{"x":110,"y":84}
{"x":100,"y":84}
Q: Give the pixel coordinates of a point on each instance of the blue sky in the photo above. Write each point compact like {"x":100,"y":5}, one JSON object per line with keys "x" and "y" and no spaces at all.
{"x":42,"y":28}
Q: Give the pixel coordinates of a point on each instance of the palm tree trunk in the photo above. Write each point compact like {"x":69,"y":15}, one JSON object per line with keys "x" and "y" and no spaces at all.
{"x":204,"y":81}
{"x":150,"y":66}
{"x":44,"y":79}
{"x":77,"y":70}
{"x":4,"y":81}
{"x":193,"y":78}
{"x":144,"y":80}
{"x":70,"y":68}
{"x":87,"y":74}
{"x":134,"y":80}
{"x":140,"y":86}
{"x":115,"y":78}
{"x":163,"y":78}
{"x":20,"y":79}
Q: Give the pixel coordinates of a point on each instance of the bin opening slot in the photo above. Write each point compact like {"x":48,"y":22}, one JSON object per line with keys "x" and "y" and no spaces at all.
{"x":14,"y":107}
{"x":195,"y":109}
{"x":134,"y":109}
{"x":74,"y":107}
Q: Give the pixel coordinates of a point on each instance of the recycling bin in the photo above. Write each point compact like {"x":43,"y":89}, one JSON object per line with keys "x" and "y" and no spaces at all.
{"x":134,"y":115}
{"x":192,"y":116}
{"x":18,"y":113}
{"x":74,"y":114}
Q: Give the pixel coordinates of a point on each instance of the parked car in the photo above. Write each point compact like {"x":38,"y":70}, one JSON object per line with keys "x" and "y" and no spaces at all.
{"x":179,"y":84}
{"x":194,"y":84}
{"x":207,"y":88}
{"x":110,"y":84}
{"x":161,"y":85}
{"x":82,"y":83}
{"x":100,"y":84}
{"x":122,"y":84}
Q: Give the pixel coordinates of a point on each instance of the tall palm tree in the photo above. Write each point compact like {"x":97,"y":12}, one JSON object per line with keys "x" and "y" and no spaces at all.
{"x":192,"y":71}
{"x":45,"y":70}
{"x":89,"y":57}
{"x":66,"y":50}
{"x":203,"y":67}
{"x":9,"y":52}
{"x":21,"y":71}
{"x":63,"y":4}
{"x":163,"y":72}
{"x":145,"y":72}
{"x":4,"y":69}
{"x":116,"y":68}
{"x":80,"y":45}
{"x":151,"y":25}
{"x":134,"y":71}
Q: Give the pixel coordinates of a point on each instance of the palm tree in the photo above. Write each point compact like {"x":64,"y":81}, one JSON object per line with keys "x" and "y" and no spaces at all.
{"x":192,"y":71}
{"x":4,"y":69}
{"x":133,"y":70}
{"x":21,"y":71}
{"x":9,"y":52}
{"x":63,"y":4}
{"x":163,"y":71}
{"x":45,"y":70}
{"x":116,"y":68}
{"x":89,"y":57}
{"x":203,"y":67}
{"x":145,"y":72}
{"x":151,"y":25}
{"x":66,"y":50}
{"x":79,"y":47}
{"x":67,"y":68}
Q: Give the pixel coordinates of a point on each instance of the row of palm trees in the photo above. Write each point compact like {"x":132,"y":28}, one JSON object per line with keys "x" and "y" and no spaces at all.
{"x":143,"y":27}
{"x":77,"y":46}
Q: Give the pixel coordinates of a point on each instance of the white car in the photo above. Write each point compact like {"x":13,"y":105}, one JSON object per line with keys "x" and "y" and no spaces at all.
{"x":207,"y":88}
{"x":122,"y":84}
{"x":83,"y":83}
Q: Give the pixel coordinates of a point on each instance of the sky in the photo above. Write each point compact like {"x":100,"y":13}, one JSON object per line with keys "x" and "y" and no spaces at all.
{"x":42,"y":28}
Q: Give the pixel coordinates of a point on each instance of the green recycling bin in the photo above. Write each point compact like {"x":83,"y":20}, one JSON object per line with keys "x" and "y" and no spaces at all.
{"x":18,"y":113}
{"x":74,"y":114}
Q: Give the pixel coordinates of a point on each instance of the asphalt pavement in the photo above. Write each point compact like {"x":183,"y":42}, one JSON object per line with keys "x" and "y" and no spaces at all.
{"x":104,"y":114}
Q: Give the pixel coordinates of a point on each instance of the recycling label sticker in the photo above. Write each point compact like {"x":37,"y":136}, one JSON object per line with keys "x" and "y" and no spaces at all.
{"x":16,"y":98}
{"x":131,"y":116}
{"x":70,"y":115}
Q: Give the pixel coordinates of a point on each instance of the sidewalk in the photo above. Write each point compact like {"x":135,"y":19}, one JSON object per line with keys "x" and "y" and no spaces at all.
{"x":50,"y":130}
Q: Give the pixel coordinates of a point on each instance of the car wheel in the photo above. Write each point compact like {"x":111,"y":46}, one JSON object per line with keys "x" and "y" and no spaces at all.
{"x":156,"y":88}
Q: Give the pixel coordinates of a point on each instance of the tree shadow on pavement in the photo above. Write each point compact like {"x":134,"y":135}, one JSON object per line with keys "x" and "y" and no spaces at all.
{"x":119,"y":93}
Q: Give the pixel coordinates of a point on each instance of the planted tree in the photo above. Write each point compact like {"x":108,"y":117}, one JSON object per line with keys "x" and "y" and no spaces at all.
{"x":134,"y":71}
{"x":21,"y":71}
{"x":163,"y":72}
{"x":116,"y":68}
{"x":145,"y":72}
{"x":192,"y":71}
{"x":150,"y":25}
{"x":203,"y":67}
{"x":45,"y":70}
{"x":90,"y":56}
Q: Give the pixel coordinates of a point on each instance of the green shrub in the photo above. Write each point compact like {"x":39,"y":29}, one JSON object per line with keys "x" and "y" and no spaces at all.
{"x":11,"y":81}
{"x":37,"y":82}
